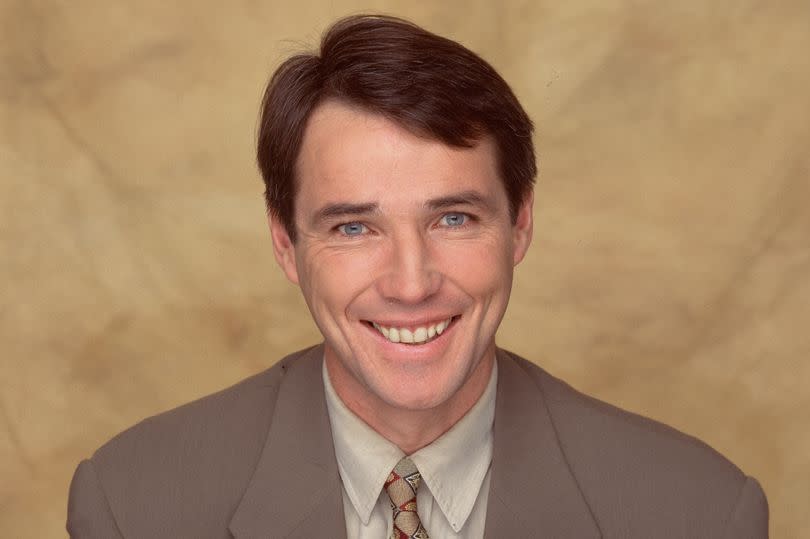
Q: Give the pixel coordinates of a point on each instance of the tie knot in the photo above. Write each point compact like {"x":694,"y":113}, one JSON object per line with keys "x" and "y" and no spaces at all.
{"x":401,"y":486}
{"x":402,"y":483}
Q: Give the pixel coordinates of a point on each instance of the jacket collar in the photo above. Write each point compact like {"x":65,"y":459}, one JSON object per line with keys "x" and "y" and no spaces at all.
{"x":295,"y":491}
{"x":533,"y":491}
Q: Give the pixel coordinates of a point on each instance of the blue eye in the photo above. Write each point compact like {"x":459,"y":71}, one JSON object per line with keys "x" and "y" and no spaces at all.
{"x":352,"y":229}
{"x":454,"y":219}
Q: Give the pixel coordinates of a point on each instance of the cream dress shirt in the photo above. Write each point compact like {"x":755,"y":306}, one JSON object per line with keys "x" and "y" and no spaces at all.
{"x":455,"y":468}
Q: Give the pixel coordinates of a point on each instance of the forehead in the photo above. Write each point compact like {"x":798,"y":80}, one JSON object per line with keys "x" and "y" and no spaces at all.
{"x":351,"y":154}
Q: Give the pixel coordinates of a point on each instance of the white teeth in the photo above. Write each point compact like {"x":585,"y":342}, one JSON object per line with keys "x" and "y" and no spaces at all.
{"x":405,"y":335}
{"x":417,"y":336}
{"x":381,"y":329}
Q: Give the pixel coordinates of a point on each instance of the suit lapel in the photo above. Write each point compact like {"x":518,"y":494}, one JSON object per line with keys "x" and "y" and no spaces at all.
{"x":532,"y":492}
{"x":295,"y":490}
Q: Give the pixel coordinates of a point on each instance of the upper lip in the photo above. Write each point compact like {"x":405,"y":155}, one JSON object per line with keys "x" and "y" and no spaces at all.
{"x":411,"y":323}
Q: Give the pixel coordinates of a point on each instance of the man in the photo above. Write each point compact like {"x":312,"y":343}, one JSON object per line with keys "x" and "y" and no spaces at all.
{"x":399,"y":169}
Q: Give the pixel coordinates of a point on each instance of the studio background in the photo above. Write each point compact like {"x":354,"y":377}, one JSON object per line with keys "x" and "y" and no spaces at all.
{"x":669,"y":274}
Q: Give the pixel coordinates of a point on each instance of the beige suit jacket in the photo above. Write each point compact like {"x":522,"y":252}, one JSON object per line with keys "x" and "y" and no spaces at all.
{"x":256,"y":461}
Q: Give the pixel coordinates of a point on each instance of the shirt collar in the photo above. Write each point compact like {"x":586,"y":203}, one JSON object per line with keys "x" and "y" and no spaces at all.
{"x":453,"y":467}
{"x":364,"y":457}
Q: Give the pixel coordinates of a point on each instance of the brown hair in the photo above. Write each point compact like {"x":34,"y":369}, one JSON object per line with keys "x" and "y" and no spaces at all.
{"x":429,"y":84}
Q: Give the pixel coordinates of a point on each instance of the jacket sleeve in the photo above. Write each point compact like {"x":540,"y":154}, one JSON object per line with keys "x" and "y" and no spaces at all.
{"x":749,"y":518}
{"x":89,"y":515}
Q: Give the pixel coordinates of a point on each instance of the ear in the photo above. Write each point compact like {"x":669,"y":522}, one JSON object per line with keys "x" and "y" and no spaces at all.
{"x":283,"y":248}
{"x":523,"y":228}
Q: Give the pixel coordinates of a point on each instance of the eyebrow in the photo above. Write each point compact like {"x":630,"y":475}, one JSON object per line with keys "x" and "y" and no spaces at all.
{"x":339,"y":210}
{"x":344,"y":209}
{"x":464,"y":198}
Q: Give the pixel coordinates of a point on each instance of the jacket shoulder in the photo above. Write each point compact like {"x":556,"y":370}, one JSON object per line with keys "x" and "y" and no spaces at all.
{"x":189,"y":465}
{"x":632,"y":469}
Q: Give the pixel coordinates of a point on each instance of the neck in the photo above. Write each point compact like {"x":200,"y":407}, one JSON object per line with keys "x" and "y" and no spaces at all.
{"x":411,"y":429}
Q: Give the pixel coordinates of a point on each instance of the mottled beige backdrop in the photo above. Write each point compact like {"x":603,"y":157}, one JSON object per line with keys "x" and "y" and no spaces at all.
{"x":670,"y":272}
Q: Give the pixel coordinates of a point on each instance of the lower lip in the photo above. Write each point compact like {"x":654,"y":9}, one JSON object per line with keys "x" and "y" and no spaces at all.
{"x":416,"y":351}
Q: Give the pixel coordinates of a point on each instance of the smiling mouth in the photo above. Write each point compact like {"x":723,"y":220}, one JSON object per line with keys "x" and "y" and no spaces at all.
{"x":415,"y":335}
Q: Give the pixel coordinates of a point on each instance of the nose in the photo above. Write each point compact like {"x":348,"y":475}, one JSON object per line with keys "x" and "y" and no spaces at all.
{"x":411,"y":276}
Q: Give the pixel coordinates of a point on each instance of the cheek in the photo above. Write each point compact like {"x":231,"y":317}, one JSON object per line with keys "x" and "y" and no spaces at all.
{"x":483,"y":269}
{"x":330,"y":280}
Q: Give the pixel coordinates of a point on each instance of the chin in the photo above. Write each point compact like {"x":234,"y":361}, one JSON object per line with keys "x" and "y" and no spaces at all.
{"x":426,"y":398}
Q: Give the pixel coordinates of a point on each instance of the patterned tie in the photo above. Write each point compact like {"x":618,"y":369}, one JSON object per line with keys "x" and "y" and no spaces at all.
{"x":401,"y":487}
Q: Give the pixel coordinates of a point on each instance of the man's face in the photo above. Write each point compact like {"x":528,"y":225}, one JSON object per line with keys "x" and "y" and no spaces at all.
{"x":404,"y":254}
